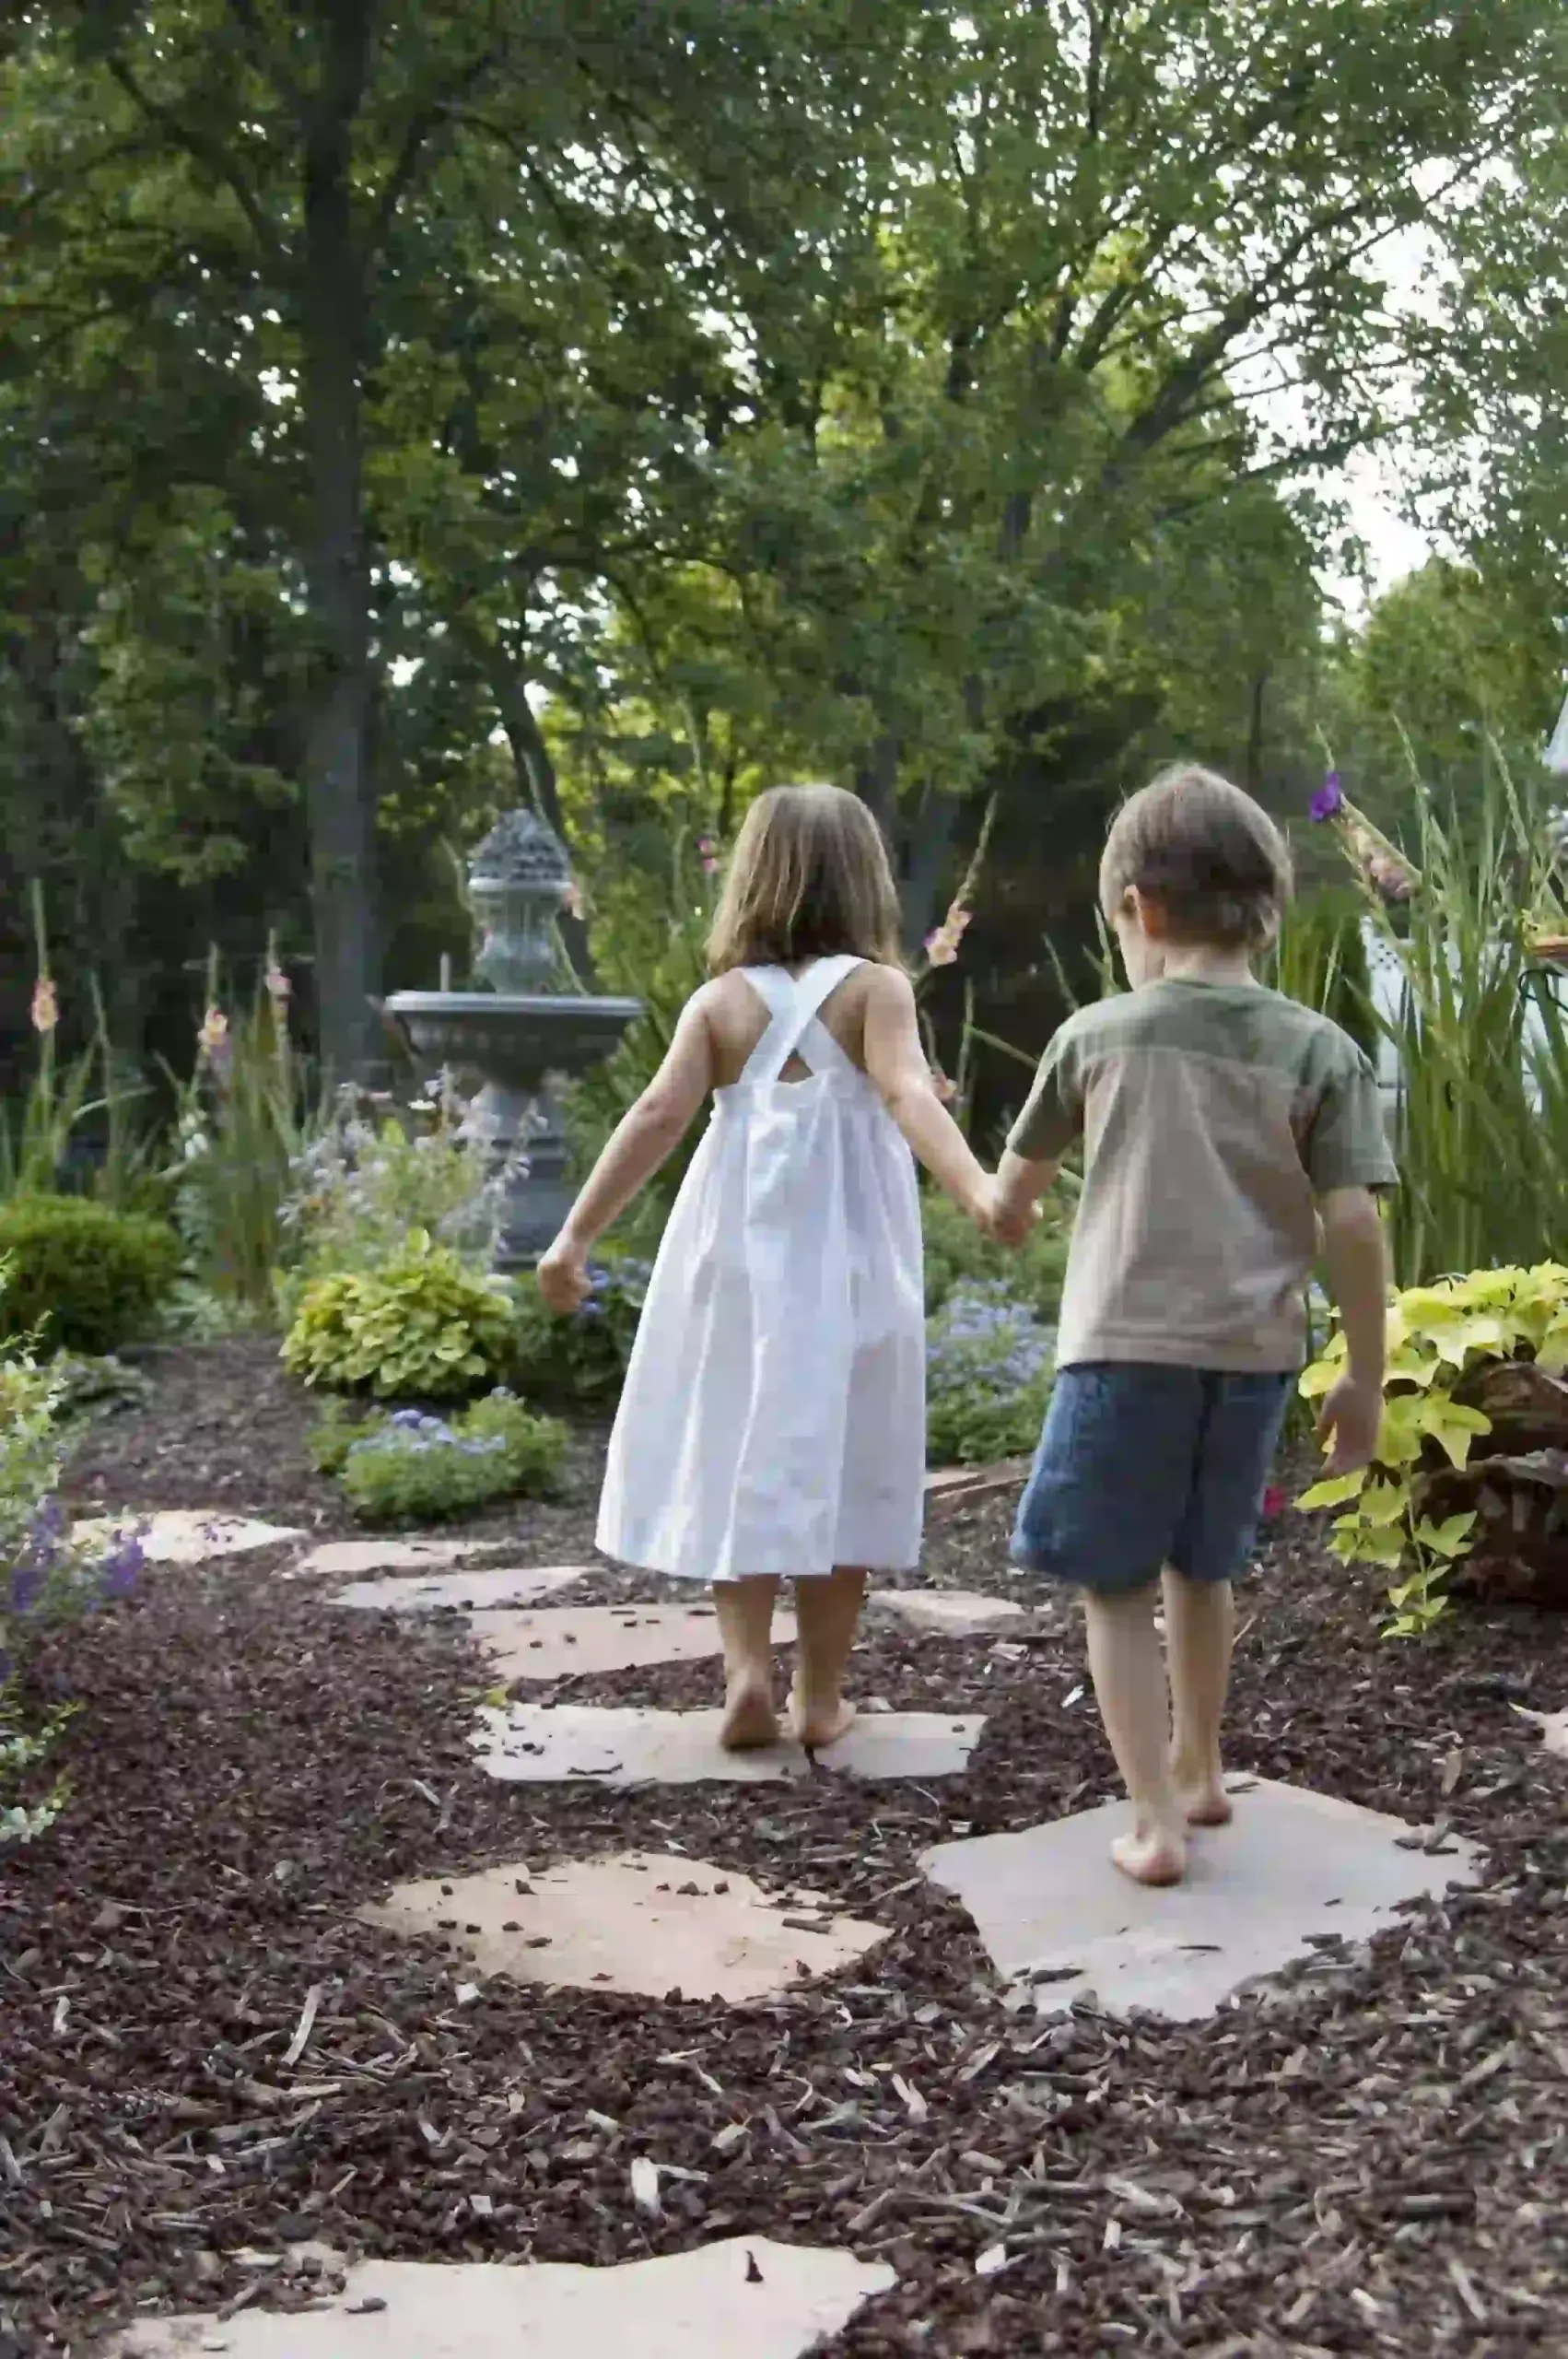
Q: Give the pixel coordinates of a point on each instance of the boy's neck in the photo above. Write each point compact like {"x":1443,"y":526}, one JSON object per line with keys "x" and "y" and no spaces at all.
{"x":1196,"y":963}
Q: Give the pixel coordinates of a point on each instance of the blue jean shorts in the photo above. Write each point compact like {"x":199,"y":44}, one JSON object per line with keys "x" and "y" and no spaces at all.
{"x":1140,"y":1467}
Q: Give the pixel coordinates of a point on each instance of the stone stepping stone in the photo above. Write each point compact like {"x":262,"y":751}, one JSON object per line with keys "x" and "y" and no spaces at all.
{"x":749,"y":2295}
{"x":489,"y":1590}
{"x":566,"y":1640}
{"x":183,"y":1535}
{"x":1293,"y":1870}
{"x":343,"y":1559}
{"x":548,"y":1744}
{"x":642,"y":1923}
{"x":944,"y":1613}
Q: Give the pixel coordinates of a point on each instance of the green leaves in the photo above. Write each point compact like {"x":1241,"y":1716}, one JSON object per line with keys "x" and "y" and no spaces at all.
{"x":421,"y":1326}
{"x":1408,"y":1513}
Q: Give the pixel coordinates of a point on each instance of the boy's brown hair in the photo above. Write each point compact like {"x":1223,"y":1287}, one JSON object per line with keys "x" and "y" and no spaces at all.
{"x":1208,"y":855}
{"x":808,"y":877}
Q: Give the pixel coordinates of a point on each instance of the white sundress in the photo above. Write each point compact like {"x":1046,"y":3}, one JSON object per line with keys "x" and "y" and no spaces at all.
{"x":773,"y":1416}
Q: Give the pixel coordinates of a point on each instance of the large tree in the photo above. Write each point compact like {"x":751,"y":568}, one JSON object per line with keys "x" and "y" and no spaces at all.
{"x":283,"y":184}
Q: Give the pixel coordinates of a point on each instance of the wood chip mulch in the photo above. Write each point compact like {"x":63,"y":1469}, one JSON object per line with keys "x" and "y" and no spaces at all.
{"x":210,"y":2073}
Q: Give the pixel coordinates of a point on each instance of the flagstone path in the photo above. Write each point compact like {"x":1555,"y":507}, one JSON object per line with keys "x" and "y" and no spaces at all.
{"x":1300,"y":1877}
{"x":744,"y":2298}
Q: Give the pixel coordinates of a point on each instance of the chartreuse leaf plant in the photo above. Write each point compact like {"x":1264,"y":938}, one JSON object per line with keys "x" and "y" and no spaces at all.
{"x":1440,"y":1340}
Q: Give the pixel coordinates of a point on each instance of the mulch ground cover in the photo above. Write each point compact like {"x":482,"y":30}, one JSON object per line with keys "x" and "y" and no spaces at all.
{"x":206,"y":2064}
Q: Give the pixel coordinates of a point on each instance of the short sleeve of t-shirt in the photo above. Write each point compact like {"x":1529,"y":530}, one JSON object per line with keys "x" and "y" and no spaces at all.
{"x":1052,"y":1118}
{"x":1346,"y":1145}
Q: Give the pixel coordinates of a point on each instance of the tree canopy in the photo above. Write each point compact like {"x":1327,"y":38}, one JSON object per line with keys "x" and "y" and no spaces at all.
{"x":619,"y":405}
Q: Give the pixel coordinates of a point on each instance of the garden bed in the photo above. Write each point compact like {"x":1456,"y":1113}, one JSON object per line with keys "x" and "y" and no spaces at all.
{"x":1370,"y":2157}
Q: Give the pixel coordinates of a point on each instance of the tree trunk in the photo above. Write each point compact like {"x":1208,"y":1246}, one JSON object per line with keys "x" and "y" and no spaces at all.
{"x":931,"y":842}
{"x":339,"y":786}
{"x":1255,"y":735}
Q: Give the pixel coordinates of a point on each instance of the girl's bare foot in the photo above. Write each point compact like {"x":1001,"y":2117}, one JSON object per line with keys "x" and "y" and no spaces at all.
{"x":1207,"y":1805}
{"x":819,"y":1724}
{"x":750,"y":1720}
{"x":1150,"y":1855}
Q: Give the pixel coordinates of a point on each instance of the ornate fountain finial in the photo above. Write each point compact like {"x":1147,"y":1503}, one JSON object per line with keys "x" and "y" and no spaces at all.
{"x":520,"y":850}
{"x":517,"y":879}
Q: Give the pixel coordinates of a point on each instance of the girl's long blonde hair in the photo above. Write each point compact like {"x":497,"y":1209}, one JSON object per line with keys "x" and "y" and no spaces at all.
{"x":808,"y":877}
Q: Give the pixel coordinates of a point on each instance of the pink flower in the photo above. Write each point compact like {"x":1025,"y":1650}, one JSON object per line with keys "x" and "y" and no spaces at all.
{"x":45,"y":1005}
{"x":278,"y":987}
{"x":1274,"y":1502}
{"x":940,"y":948}
{"x":709,"y":864}
{"x":214,"y":1034}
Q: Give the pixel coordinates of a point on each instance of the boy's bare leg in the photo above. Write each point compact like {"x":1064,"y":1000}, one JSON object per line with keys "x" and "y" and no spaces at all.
{"x":1199,"y":1633}
{"x":1134,"y":1698}
{"x":828,"y":1614}
{"x":746,"y":1624}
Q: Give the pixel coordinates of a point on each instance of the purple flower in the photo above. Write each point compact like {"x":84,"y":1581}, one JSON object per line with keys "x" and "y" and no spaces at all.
{"x":120,"y":1570}
{"x":1328,"y":801}
{"x":27,"y":1585}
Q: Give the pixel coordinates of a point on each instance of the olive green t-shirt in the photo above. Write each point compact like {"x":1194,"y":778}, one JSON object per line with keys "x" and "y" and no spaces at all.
{"x":1213,"y":1115}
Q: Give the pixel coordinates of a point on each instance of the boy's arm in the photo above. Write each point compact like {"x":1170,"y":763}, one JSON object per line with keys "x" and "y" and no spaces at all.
{"x":1358,"y":1280}
{"x":1020,"y":1183}
{"x":896,"y":1061}
{"x":1051,"y":1121}
{"x":643,"y":1139}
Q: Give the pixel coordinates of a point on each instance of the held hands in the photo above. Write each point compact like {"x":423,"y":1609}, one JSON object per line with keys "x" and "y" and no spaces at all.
{"x":1000,"y":1217}
{"x":563,"y":1277}
{"x":1351,"y":1420}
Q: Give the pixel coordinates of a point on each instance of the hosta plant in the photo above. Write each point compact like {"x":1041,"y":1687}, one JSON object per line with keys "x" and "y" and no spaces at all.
{"x":1473,"y":1459}
{"x":419,"y":1326}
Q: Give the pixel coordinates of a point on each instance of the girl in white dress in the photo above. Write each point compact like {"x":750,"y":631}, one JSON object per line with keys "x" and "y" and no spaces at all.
{"x":772,"y":1424}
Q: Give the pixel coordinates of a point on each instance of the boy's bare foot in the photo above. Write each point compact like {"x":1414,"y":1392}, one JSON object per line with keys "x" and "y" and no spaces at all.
{"x":819,"y":1724}
{"x":1150,"y":1855}
{"x":750,"y":1720}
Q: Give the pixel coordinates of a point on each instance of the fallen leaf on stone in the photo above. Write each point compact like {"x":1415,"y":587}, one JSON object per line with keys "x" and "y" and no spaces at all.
{"x":645,"y":2186}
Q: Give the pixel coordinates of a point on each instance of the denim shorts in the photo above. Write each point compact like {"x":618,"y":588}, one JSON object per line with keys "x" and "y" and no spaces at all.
{"x":1140,"y":1467}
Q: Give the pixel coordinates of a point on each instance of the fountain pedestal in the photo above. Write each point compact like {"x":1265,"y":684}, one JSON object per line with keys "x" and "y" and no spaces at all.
{"x":522,"y":1040}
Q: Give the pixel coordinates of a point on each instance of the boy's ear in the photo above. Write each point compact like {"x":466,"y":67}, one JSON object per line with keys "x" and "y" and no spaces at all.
{"x":1149,"y":915}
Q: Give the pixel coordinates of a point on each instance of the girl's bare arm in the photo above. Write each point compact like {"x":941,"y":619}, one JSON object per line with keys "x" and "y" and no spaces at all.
{"x":895,"y":1060}
{"x":641,"y":1141}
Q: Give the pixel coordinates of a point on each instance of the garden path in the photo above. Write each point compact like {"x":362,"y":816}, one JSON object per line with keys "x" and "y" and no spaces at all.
{"x":262,"y":2073}
{"x":1297,"y":1873}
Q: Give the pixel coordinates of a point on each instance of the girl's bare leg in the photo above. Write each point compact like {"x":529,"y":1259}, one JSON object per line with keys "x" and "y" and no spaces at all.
{"x":1134,"y":1698}
{"x":746,"y":1624}
{"x":1199,"y":1633}
{"x":828,"y":1613}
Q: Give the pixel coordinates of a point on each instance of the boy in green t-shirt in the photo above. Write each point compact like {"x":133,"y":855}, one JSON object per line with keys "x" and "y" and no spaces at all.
{"x":1223,"y":1125}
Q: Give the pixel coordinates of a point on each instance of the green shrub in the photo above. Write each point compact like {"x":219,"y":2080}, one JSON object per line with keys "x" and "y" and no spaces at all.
{"x":420,"y":1327}
{"x":45,"y":1580}
{"x":84,"y":1278}
{"x":413,"y":1468}
{"x":957,"y":1254}
{"x":987,"y":1376}
{"x":1470,"y":1458}
{"x":582,"y":1358}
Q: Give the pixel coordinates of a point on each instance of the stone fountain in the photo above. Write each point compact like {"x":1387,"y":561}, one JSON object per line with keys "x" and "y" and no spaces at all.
{"x":526,"y":1035}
